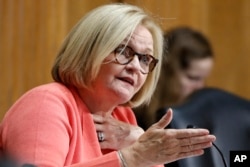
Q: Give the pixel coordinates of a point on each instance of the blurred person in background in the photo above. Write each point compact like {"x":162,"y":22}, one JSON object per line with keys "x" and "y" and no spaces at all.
{"x":187,"y":62}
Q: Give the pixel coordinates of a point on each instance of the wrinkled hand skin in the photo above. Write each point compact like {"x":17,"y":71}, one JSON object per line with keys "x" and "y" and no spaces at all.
{"x":160,"y":146}
{"x":117,"y":134}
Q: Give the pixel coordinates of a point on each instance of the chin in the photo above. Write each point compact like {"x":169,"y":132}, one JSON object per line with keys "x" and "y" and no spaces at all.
{"x":123,"y":98}
{"x":120,"y":94}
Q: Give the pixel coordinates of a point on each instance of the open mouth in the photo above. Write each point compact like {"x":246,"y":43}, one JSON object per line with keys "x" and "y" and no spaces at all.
{"x":127,"y":80}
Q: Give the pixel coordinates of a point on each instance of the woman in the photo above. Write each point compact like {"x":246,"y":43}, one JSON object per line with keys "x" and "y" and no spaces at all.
{"x":188,"y":61}
{"x":106,"y":65}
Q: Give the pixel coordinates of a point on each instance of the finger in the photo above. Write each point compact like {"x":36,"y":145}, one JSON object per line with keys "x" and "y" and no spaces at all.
{"x":99,"y":127}
{"x":165,"y":120}
{"x":98,"y":119}
{"x":194,"y":147}
{"x":190,"y":154}
{"x":105,"y":144}
{"x":196,"y":140}
{"x":187,"y":133}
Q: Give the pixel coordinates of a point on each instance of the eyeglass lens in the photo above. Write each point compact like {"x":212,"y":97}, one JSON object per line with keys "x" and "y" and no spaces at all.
{"x":125,"y":54}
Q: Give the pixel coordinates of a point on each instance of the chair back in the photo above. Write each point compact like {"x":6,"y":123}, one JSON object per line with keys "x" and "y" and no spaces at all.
{"x":224,"y":114}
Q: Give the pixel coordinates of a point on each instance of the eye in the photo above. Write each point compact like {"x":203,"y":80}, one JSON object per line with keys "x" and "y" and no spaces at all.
{"x":145,"y":59}
{"x":119,"y":50}
{"x":125,"y":51}
{"x":194,"y":78}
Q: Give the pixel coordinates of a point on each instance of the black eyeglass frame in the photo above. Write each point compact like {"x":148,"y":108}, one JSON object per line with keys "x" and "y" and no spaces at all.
{"x":132,"y":54}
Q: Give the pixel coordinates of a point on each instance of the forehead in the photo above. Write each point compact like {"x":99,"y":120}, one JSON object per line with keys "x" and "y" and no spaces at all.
{"x":141,"y":38}
{"x":201,"y":67}
{"x":201,"y":64}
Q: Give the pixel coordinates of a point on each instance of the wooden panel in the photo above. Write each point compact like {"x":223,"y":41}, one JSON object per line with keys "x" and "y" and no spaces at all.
{"x":76,"y":9}
{"x":229,"y":32}
{"x":173,"y":13}
{"x":30,"y":35}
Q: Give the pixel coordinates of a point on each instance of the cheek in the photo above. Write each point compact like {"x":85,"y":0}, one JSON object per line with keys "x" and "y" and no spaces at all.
{"x":140,"y":82}
{"x":183,"y":82}
{"x":106,"y":74}
{"x":187,"y":85}
{"x":143,"y":79}
{"x":110,"y":69}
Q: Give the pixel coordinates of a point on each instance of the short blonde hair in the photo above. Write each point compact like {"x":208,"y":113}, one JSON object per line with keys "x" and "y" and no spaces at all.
{"x":95,"y":36}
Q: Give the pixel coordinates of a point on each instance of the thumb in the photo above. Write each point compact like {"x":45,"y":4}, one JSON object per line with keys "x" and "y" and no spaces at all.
{"x":165,"y":119}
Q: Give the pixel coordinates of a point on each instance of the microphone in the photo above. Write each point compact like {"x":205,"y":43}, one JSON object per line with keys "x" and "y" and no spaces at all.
{"x":217,"y":148}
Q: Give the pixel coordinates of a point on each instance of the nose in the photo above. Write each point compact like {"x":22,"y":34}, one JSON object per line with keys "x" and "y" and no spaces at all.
{"x":134,"y":64}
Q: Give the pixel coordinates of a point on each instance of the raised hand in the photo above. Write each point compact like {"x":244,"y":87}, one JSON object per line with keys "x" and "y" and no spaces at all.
{"x":159,"y":146}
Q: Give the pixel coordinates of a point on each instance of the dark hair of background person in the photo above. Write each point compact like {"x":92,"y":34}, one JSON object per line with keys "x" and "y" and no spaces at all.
{"x":182,"y":46}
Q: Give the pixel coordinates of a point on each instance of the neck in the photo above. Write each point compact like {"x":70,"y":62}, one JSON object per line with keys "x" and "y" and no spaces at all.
{"x":96,"y":103}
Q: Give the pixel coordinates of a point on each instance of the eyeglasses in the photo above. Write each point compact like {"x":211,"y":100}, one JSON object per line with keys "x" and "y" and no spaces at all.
{"x":125,"y":54}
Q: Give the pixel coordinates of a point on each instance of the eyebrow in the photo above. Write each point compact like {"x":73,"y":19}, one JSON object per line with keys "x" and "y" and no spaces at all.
{"x":124,"y":45}
{"x":147,"y":50}
{"x":127,"y":42}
